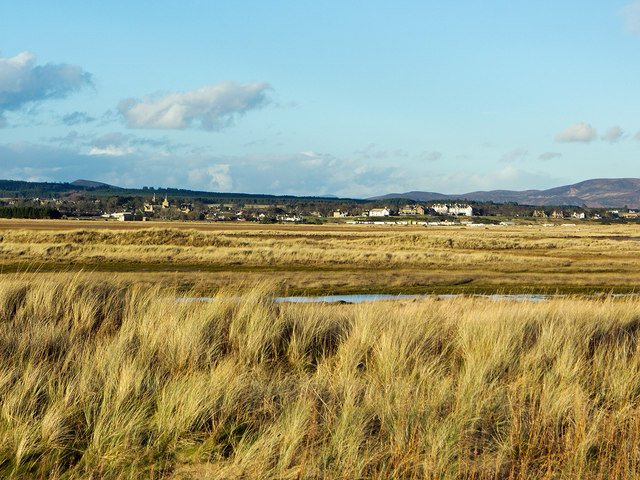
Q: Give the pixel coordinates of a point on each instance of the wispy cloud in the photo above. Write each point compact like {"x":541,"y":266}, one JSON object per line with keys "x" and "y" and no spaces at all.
{"x":111,"y":151}
{"x":514,"y":155}
{"x":578,"y":132}
{"x":113,"y":139}
{"x":77,"y":117}
{"x":430,"y":156}
{"x":113,"y":144}
{"x":22,"y":82}
{"x":632,"y":17}
{"x":549,"y":155}
{"x":372,"y":151}
{"x":118,"y":143}
{"x":211,"y":107}
{"x":510,"y":177}
{"x":112,"y":160}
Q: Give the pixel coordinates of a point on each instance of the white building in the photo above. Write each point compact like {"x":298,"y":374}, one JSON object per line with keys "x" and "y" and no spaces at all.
{"x":126,"y":217}
{"x":445,"y":209}
{"x":379,"y":212}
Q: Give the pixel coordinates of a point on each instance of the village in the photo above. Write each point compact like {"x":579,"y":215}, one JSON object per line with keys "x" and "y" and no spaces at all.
{"x":408,"y":214}
{"x":158,"y":207}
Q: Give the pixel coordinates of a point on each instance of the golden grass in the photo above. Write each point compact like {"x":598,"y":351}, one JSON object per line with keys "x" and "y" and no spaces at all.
{"x":332,"y":257}
{"x":102,"y":380}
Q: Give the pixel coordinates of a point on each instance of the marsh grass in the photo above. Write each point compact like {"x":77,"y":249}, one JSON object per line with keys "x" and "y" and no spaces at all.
{"x":590,"y":249}
{"x":337,"y":259}
{"x":102,"y":380}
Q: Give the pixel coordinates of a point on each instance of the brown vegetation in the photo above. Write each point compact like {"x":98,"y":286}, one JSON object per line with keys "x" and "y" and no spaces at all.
{"x":334,"y":258}
{"x":98,"y":380}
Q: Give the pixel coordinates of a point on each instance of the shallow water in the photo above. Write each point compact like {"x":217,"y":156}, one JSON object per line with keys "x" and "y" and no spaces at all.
{"x":361,"y":298}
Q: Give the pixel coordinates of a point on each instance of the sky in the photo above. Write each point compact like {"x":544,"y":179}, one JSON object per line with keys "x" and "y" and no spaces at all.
{"x":347,"y":98}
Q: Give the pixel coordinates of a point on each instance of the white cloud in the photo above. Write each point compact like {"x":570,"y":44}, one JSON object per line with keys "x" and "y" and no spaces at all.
{"x":111,"y":150}
{"x":636,"y":136}
{"x":211,"y":107}
{"x":294,"y":174}
{"x":549,"y":155}
{"x":22,"y":82}
{"x":311,"y":154}
{"x":613,"y":134}
{"x":213,"y":177}
{"x":632,"y":17}
{"x":578,"y":132}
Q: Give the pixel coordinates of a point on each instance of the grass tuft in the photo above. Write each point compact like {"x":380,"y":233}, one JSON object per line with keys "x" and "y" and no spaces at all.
{"x":106,"y":380}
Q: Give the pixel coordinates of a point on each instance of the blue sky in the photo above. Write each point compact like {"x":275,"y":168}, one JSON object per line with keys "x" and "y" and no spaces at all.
{"x":314,"y":98}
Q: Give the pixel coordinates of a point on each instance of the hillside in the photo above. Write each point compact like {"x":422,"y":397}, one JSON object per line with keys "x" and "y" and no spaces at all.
{"x":24,"y":189}
{"x":596,"y":193}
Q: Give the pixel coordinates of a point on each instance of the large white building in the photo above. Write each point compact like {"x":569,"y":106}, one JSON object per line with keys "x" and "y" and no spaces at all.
{"x":379,"y":212}
{"x":446,"y":209}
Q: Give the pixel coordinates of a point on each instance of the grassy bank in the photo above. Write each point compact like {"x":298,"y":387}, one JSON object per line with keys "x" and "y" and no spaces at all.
{"x":336,"y":259}
{"x":99,"y":380}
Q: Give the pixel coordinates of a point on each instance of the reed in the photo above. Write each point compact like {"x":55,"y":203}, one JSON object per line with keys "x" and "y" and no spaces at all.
{"x":107,"y":380}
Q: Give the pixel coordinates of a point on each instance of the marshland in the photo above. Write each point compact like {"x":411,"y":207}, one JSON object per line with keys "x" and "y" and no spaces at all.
{"x":107,"y":373}
{"x":334,"y":258}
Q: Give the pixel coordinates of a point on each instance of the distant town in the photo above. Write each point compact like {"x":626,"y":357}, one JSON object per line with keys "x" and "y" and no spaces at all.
{"x":105,"y":203}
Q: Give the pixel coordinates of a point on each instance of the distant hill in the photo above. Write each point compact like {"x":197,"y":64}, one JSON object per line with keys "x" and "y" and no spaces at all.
{"x":91,"y":184}
{"x":24,"y":189}
{"x":596,"y":193}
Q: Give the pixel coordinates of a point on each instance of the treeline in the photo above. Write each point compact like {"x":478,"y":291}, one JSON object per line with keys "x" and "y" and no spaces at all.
{"x":21,"y":189}
{"x":29,"y":212}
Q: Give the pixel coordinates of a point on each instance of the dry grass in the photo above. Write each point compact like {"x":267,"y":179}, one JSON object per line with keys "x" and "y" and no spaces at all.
{"x":99,"y":380}
{"x":332,"y":258}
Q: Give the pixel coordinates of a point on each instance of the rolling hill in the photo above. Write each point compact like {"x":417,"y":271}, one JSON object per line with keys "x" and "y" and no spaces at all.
{"x":601,"y":192}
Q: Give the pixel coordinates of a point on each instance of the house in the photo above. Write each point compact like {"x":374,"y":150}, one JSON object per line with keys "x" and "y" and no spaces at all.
{"x":126,"y":217}
{"x":456,"y":209}
{"x":461,"y":210}
{"x":379,"y":212}
{"x":411,"y":210}
{"x":441,"y":209}
{"x":340,"y":214}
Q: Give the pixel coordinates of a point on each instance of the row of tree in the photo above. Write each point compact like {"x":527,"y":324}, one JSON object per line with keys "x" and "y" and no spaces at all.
{"x":29,"y":212}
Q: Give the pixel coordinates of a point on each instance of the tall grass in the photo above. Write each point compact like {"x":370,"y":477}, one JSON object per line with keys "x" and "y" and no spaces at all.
{"x":589,"y":249}
{"x":107,"y":381}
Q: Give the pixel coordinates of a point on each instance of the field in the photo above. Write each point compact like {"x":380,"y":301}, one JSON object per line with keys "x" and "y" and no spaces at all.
{"x":113,"y":367}
{"x":330,"y":259}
